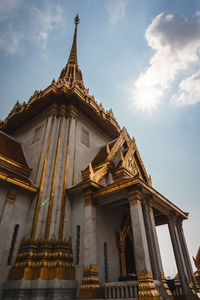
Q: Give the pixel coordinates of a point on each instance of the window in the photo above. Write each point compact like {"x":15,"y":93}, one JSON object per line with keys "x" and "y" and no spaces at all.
{"x":77,"y":244}
{"x":37,"y":134}
{"x":12,"y":247}
{"x":105,"y":262}
{"x":85,"y":137}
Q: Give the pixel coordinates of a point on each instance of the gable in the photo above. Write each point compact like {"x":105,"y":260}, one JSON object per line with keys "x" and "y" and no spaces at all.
{"x":120,"y":158}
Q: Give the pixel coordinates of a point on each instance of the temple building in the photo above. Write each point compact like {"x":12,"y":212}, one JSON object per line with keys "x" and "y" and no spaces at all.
{"x":78,"y":212}
{"x":197,"y":265}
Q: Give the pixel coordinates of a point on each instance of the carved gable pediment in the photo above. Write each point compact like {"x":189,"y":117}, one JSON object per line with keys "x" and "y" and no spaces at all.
{"x":119,"y":158}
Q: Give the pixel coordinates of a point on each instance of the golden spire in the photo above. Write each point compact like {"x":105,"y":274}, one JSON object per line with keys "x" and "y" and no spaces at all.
{"x":71,"y":72}
{"x":73,"y":54}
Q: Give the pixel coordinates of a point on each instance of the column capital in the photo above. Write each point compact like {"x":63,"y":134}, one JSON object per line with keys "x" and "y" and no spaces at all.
{"x":173,"y":218}
{"x":149,"y":202}
{"x":134,"y":196}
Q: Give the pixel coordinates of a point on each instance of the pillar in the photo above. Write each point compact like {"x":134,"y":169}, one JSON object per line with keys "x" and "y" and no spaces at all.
{"x":185,"y":249}
{"x":147,"y":288}
{"x":180,"y":261}
{"x":90,"y":287}
{"x":156,"y":261}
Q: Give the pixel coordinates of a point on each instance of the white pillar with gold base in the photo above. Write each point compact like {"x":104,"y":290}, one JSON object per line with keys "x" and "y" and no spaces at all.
{"x":90,"y":287}
{"x":147,"y":288}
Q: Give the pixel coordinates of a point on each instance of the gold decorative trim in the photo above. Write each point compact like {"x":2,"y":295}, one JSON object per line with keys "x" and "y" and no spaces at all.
{"x":19,"y":183}
{"x":53,"y":184}
{"x":90,"y":287}
{"x":14,"y":166}
{"x":42,"y":259}
{"x":33,"y":231}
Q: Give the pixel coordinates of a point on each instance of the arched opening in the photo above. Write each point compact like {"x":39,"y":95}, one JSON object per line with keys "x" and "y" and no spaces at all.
{"x":126,"y":251}
{"x":129,"y":256}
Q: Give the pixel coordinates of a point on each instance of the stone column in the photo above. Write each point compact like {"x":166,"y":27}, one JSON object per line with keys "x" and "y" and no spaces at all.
{"x":147,"y":288}
{"x":180,"y":262}
{"x":90,"y":287}
{"x":156,"y":261}
{"x":185,"y":249}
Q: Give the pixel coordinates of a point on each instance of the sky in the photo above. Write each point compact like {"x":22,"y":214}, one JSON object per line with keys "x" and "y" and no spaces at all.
{"x":142,"y":59}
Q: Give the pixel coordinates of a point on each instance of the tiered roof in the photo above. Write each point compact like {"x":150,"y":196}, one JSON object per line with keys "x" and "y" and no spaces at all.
{"x":13,"y":165}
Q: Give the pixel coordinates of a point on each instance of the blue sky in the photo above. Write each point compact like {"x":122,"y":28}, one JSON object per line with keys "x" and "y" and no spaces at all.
{"x":139,"y":57}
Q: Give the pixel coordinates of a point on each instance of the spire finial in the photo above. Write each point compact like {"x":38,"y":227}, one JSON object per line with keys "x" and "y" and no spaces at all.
{"x":76,"y":20}
{"x":71,"y":73}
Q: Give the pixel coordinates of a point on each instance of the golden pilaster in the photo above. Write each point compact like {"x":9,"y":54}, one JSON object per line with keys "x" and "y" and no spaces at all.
{"x":90,"y":287}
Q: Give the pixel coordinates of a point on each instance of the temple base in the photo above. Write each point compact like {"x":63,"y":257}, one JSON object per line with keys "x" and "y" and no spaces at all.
{"x":147,"y":288}
{"x":90,"y":287}
{"x":39,"y":289}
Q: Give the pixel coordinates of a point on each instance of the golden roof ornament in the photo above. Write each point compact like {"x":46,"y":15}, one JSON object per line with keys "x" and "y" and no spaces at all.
{"x":71,"y":74}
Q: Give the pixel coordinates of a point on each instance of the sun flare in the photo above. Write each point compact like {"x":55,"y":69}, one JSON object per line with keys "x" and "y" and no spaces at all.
{"x":146,"y":99}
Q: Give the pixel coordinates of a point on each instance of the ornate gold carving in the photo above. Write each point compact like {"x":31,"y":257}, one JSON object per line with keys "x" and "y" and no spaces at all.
{"x":33,"y":231}
{"x":99,"y":173}
{"x":62,"y":216}
{"x":121,"y":139}
{"x":53,"y":184}
{"x":42,"y":259}
{"x":134,"y":196}
{"x":147,"y":288}
{"x":90,"y":287}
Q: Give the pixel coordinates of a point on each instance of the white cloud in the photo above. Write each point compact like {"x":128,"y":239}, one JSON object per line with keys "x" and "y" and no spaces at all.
{"x":189,"y":91}
{"x":176,"y":41}
{"x":7,"y":7}
{"x":33,"y":27}
{"x":10,"y":41}
{"x":43,"y":23}
{"x":116,"y":10}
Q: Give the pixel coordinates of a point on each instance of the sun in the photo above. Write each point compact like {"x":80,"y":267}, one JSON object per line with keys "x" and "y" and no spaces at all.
{"x":146,"y":99}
